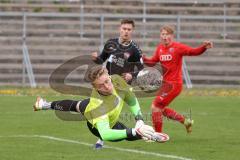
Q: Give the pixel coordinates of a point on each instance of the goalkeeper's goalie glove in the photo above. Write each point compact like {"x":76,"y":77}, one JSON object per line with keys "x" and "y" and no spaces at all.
{"x":139,"y":123}
{"x":145,"y":131}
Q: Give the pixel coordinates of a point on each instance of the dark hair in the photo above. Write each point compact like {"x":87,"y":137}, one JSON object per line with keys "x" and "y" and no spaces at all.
{"x":128,"y":21}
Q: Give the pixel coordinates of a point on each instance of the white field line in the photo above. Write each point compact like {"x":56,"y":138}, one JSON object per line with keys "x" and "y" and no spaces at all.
{"x":105,"y":146}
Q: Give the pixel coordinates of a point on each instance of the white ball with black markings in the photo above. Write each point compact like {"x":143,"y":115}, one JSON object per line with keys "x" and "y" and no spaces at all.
{"x":149,"y":79}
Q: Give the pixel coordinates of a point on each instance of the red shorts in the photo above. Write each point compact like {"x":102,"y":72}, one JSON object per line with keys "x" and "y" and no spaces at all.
{"x":166,"y":94}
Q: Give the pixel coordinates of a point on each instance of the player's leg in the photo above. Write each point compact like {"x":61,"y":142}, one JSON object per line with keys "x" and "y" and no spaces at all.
{"x":172,"y":114}
{"x":158,"y":105}
{"x":81,"y":108}
{"x":62,"y":105}
{"x":157,"y":118}
{"x":65,"y":105}
{"x":99,"y":143}
{"x":164,"y":101}
{"x":166,"y":95}
{"x":168,"y":112}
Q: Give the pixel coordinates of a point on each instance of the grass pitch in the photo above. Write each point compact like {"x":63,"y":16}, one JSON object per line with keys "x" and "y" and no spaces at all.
{"x":29,"y":135}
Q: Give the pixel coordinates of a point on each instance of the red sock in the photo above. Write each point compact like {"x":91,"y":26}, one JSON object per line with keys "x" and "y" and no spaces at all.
{"x":157,"y":120}
{"x":170,"y":113}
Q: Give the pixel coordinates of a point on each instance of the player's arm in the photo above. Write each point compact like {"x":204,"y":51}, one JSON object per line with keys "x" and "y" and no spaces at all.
{"x":151,"y":61}
{"x":133,"y":75}
{"x":99,"y":59}
{"x":140,"y":127}
{"x":138,"y":63}
{"x":189,"y":51}
{"x":131,"y":100}
{"x":134,"y":106}
{"x":108,"y":134}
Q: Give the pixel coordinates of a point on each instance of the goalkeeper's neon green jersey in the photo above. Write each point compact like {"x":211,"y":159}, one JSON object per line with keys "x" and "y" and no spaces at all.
{"x":108,"y":108}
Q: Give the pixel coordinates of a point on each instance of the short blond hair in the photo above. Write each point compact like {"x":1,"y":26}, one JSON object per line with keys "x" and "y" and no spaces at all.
{"x":167,"y":28}
{"x":95,"y":72}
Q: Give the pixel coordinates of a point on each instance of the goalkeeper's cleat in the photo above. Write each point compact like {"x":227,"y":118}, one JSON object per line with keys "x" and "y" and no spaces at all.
{"x":188,"y":123}
{"x":99,"y":144}
{"x":38,"y":104}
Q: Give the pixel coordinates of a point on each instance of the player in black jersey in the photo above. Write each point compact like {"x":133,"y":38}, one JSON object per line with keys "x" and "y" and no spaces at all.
{"x":122,"y":54}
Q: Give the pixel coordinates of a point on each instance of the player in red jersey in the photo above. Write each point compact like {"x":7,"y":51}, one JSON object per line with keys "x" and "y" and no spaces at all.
{"x":170,"y":53}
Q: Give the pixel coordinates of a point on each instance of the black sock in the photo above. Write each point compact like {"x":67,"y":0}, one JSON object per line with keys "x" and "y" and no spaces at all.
{"x":64,"y":105}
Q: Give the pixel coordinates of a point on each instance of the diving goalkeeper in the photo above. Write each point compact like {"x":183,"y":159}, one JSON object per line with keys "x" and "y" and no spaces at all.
{"x":103,"y":108}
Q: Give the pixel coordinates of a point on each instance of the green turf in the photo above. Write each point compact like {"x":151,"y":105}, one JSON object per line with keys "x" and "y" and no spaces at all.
{"x":215,"y":134}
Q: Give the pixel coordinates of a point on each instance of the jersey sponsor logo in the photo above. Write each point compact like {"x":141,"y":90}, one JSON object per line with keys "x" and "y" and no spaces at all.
{"x":167,"y":57}
{"x":171,"y":50}
{"x":116,"y":60}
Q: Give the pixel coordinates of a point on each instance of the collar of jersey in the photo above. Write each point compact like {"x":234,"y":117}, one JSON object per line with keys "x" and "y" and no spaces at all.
{"x":119,"y":41}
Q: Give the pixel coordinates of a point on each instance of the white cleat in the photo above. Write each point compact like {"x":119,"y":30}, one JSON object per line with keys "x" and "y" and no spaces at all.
{"x":160,"y":137}
{"x":38,"y":104}
{"x":188,"y":123}
{"x":99,"y":144}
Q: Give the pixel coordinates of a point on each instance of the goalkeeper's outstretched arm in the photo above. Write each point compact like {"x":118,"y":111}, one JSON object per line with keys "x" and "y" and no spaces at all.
{"x":108,"y":134}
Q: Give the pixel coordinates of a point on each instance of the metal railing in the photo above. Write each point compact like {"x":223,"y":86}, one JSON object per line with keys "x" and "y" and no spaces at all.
{"x":187,"y":1}
{"x":27,"y":65}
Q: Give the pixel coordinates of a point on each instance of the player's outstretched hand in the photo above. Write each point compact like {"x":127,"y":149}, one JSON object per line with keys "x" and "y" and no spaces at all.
{"x":139,"y":123}
{"x":208,"y":44}
{"x":145,"y":131}
{"x":127,"y":77}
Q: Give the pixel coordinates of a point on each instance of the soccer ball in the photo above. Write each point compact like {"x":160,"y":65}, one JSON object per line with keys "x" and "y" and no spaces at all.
{"x":149,"y":79}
